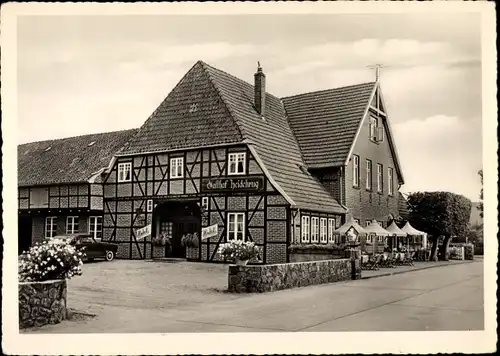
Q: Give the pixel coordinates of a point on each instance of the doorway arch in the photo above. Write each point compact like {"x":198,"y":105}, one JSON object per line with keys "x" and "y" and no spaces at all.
{"x":175,"y":219}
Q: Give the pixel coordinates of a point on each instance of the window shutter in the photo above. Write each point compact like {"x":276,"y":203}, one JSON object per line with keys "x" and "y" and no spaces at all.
{"x":380,"y":134}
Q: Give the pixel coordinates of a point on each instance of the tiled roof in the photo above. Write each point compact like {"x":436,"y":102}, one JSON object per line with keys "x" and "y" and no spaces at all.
{"x":403,"y":206}
{"x":192,"y":115}
{"x":67,"y":160}
{"x":325,"y":122}
{"x":274,"y":142}
{"x":225,"y":113}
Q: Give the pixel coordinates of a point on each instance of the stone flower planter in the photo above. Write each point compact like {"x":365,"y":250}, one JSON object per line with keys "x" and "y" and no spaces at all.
{"x":42,"y":303}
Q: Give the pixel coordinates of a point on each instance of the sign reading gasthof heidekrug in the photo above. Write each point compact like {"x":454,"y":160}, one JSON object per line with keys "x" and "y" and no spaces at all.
{"x":241,"y":184}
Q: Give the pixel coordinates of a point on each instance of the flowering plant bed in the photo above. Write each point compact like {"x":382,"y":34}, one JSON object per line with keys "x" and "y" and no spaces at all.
{"x":43,"y":271}
{"x":53,"y":259}
{"x":190,"y":240}
{"x":238,"y":250}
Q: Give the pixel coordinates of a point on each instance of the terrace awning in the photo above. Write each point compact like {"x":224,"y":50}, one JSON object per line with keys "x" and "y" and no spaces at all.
{"x":350,"y":223}
{"x":375,"y":229}
{"x":411,"y":231}
{"x":394,"y":230}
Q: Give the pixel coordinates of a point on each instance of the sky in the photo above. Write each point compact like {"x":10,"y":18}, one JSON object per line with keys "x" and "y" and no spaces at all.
{"x":89,"y":74}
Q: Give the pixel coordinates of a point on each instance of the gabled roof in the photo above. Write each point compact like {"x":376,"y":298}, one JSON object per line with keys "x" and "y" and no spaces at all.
{"x":403,"y":206}
{"x":326,"y":122}
{"x":192,"y":115}
{"x":67,"y":160}
{"x":226,"y":114}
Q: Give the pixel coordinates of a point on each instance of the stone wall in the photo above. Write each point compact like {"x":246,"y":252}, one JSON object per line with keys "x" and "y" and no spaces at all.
{"x":268,"y":278}
{"x":42,"y":303}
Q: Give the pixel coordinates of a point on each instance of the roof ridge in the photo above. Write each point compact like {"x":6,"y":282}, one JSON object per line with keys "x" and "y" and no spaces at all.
{"x":329,"y":90}
{"x":235,"y":77}
{"x":224,"y":102}
{"x":77,"y":136}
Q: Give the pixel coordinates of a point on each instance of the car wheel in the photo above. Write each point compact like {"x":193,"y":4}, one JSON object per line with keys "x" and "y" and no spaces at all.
{"x":110,"y":255}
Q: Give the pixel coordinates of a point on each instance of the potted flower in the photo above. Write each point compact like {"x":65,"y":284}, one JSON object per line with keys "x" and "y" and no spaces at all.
{"x":43,"y":271}
{"x":163,"y":240}
{"x":239,"y":251}
{"x":191,"y":242}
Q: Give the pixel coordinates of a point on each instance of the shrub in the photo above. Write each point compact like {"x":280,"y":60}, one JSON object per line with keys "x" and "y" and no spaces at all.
{"x":190,"y":240}
{"x":320,"y":247}
{"x":237,"y":249}
{"x":53,"y":259}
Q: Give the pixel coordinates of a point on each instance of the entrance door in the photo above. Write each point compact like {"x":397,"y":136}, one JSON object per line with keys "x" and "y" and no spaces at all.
{"x":177,"y":219}
{"x":24,"y":233}
{"x":183,"y":226}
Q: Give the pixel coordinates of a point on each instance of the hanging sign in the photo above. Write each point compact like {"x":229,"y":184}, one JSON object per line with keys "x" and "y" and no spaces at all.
{"x":249,"y":184}
{"x":209,"y":231}
{"x":143,"y":232}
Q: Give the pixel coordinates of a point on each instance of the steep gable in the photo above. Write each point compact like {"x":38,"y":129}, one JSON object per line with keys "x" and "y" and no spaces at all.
{"x":326,"y":122}
{"x":68,"y":160}
{"x":192,"y":115}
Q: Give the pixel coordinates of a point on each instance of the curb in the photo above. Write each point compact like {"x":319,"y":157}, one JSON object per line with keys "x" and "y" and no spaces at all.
{"x":416,"y":269}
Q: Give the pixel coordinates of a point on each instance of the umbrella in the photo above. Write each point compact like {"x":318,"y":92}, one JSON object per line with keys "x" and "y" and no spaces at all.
{"x":394,"y":230}
{"x":374,"y":228}
{"x":411,"y":231}
{"x":350,"y":223}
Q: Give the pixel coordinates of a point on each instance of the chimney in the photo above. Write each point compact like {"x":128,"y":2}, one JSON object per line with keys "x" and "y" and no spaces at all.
{"x":260,"y":90}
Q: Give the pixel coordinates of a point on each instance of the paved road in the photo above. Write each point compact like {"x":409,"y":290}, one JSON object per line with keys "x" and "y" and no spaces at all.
{"x":443,"y":298}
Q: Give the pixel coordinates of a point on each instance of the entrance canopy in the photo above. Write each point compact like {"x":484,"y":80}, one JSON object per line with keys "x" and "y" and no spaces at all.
{"x":350,"y":224}
{"x":374,"y":228}
{"x":411,"y":231}
{"x":394,"y":230}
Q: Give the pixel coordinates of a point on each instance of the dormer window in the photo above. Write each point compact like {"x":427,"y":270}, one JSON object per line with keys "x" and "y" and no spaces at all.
{"x":236,"y":163}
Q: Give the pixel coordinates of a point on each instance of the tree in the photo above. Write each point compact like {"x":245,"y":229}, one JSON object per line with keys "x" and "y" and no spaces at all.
{"x":480,"y":205}
{"x":440,"y":214}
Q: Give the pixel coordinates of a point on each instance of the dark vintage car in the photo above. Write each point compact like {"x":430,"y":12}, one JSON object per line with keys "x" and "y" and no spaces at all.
{"x":91,"y":247}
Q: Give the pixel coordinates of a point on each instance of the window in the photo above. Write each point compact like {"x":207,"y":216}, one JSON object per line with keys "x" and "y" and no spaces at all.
{"x":305,"y":229}
{"x":236,"y":163}
{"x":95,"y":227}
{"x":50,"y":226}
{"x":331,"y":228}
{"x":368,"y":174}
{"x":149,"y":206}
{"x":204,"y":203}
{"x":380,"y":178}
{"x":356,"y":221}
{"x":236,"y":226}
{"x":369,"y":238}
{"x":314,"y":229}
{"x":390,"y":176}
{"x":355,"y":170}
{"x":124,"y":172}
{"x":72,"y":225}
{"x":177,"y":167}
{"x":323,"y":231}
{"x":373,"y":128}
{"x":367,"y":222}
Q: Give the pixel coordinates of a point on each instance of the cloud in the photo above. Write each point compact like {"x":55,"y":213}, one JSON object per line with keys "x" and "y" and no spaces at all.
{"x":440,"y":153}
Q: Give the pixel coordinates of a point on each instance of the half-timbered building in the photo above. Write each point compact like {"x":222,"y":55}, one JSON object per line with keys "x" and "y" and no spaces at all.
{"x":59,"y":185}
{"x":228,"y":160}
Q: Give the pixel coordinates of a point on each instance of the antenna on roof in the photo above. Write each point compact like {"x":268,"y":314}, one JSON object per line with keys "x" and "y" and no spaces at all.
{"x":377,"y":70}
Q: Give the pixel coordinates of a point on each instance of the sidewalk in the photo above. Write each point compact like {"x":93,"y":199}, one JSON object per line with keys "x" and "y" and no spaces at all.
{"x":418,"y":265}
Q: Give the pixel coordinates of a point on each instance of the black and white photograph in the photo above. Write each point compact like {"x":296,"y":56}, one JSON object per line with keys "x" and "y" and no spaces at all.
{"x":222,"y":178}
